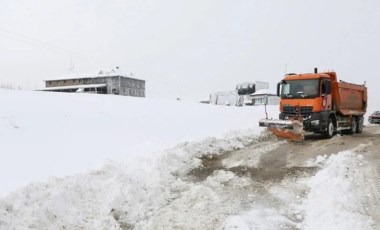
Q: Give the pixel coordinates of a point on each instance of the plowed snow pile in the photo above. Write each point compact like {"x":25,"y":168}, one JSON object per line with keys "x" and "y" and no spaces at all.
{"x":341,"y":193}
{"x":338,"y":196}
{"x":153,"y":195}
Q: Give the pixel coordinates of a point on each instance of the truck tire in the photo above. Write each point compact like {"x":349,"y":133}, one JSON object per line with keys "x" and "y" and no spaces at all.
{"x":353,"y":129}
{"x":359,"y":124}
{"x":329,"y":133}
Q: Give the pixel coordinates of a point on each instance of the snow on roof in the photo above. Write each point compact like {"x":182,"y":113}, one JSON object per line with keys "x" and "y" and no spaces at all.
{"x":75,"y":87}
{"x":246,"y":84}
{"x":101,"y":73}
{"x":263,"y":92}
{"x":225,"y":93}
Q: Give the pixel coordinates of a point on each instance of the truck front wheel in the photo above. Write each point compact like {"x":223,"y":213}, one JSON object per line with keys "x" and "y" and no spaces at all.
{"x":329,"y":133}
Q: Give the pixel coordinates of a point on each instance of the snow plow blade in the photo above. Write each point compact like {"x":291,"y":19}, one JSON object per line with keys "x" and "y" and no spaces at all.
{"x":291,"y":129}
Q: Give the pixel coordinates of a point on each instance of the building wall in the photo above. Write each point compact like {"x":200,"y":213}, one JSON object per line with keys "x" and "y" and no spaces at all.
{"x":126,"y":86}
{"x":229,"y":98}
{"x":132,"y":87}
{"x":115,"y":85}
{"x":269,"y":100}
{"x":69,"y":82}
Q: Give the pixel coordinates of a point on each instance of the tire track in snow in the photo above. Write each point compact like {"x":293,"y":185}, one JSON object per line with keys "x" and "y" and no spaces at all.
{"x":227,"y":183}
{"x":214,"y":191}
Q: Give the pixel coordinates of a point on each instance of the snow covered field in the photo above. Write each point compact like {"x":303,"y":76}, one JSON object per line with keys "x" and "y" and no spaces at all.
{"x":51,"y":134}
{"x":110,"y":162}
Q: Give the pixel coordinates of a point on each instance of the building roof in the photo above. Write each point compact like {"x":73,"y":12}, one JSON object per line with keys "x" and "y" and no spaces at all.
{"x":263,"y":92}
{"x":245,"y":84}
{"x":101,"y":73}
{"x":75,"y":87}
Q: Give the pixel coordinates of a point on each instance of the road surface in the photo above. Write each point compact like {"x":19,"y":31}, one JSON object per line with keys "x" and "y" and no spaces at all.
{"x":276,"y":171}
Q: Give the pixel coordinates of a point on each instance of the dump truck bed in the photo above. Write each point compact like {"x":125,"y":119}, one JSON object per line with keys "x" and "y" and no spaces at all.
{"x":350,"y":99}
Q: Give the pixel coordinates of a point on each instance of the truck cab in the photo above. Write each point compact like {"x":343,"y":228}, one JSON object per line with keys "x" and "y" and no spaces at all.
{"x":308,"y":96}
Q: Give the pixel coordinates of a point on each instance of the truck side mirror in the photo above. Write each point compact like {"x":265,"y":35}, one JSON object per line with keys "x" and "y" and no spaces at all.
{"x":278,"y":86}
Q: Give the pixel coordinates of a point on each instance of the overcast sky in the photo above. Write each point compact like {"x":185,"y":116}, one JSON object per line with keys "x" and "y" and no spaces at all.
{"x":191,"y":48}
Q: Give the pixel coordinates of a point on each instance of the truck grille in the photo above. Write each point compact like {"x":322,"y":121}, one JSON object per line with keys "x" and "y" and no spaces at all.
{"x":294,"y":109}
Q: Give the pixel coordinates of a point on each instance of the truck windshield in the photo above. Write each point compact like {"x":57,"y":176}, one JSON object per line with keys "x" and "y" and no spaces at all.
{"x":300,"y":89}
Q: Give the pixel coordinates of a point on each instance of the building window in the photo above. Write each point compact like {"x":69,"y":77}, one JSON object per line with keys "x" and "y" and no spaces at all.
{"x":260,"y":101}
{"x":115,"y":91}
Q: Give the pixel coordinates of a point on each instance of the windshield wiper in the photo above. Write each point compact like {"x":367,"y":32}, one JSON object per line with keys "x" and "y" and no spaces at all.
{"x":289,"y":95}
{"x":302,"y":94}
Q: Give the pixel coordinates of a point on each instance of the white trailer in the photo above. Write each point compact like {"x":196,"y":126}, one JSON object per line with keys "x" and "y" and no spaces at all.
{"x":229,"y":98}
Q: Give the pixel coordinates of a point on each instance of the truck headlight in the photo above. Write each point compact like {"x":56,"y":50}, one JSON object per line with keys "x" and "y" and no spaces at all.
{"x":315,"y":123}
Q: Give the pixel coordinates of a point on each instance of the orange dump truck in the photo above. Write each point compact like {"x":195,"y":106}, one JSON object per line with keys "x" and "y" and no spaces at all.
{"x":317,"y":102}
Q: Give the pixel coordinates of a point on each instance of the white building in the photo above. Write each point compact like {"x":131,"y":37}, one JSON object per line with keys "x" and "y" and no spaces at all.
{"x":229,"y":98}
{"x":241,"y":95}
{"x":264,"y":97}
{"x":246,"y":89}
{"x":100,"y":82}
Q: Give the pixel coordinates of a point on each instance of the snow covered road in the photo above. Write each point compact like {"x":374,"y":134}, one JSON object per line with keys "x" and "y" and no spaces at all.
{"x":322,"y":184}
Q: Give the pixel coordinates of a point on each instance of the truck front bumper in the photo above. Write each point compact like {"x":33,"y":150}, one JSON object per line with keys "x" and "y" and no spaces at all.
{"x":314,"y":122}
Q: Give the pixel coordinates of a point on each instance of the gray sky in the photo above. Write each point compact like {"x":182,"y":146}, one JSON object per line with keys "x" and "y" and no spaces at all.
{"x":193,"y":47}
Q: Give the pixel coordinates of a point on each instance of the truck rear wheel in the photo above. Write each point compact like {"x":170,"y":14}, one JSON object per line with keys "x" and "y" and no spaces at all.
{"x":354,"y":127}
{"x":329,"y":133}
{"x":359,"y":124}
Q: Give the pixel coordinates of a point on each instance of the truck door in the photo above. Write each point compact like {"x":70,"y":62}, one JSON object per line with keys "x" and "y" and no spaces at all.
{"x":326,"y":94}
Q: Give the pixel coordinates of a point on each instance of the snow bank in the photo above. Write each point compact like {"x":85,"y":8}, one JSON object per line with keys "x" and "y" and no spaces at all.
{"x":339,"y":196}
{"x":144,"y":194}
{"x":259,"y":217}
{"x":339,"y":193}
